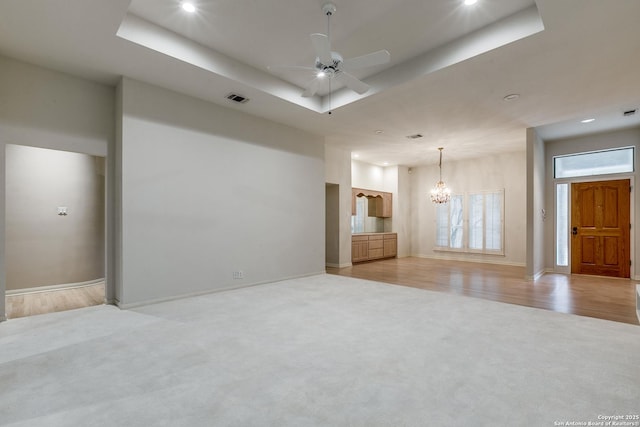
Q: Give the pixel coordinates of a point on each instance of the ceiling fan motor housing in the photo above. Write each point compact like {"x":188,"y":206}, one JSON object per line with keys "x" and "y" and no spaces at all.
{"x":329,"y":8}
{"x":330,"y":68}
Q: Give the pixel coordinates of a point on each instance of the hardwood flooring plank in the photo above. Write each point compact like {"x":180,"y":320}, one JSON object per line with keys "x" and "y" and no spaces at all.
{"x":600,"y":297}
{"x":30,"y":304}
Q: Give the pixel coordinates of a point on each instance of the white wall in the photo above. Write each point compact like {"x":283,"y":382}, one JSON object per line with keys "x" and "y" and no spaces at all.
{"x":42,"y":247}
{"x":48,"y":109}
{"x":338,"y":172}
{"x":396,"y":181}
{"x":367,"y":176}
{"x":537,"y":211}
{"x":207,"y":191}
{"x":502,"y":171}
{"x":594,"y":142}
{"x":402,"y":205}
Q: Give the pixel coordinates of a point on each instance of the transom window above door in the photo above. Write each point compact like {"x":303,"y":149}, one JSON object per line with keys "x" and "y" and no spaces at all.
{"x":604,"y":162}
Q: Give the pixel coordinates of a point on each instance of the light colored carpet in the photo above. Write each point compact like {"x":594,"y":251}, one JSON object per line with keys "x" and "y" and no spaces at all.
{"x":318,"y":351}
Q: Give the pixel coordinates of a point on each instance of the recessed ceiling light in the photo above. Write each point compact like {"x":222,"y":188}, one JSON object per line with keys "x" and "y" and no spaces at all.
{"x":586,"y":120}
{"x":378,"y":131}
{"x":470,"y":2}
{"x":512,"y":97}
{"x":188,"y":6}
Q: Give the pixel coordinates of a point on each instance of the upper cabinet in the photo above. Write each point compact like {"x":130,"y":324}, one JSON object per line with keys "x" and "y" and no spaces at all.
{"x":379,"y":202}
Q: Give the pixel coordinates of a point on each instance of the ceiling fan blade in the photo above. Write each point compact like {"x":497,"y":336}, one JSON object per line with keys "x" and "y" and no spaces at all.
{"x":312,"y":89}
{"x":368,"y":60}
{"x":322,"y":47}
{"x":289,"y":67}
{"x":352,"y":83}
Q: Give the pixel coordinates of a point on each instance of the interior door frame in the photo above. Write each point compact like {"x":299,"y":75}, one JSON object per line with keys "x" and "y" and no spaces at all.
{"x":592,"y":178}
{"x":105,"y":151}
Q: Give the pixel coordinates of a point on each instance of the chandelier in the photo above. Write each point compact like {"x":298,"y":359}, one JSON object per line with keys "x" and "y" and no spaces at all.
{"x":440,"y":193}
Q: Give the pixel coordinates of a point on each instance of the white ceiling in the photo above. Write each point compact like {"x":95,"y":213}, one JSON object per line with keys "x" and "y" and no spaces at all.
{"x":451,"y":65}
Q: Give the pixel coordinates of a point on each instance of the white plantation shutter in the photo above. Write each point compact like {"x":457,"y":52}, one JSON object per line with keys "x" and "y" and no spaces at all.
{"x":478,"y":228}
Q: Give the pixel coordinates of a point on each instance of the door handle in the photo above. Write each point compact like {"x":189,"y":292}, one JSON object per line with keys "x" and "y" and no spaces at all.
{"x":574,"y":230}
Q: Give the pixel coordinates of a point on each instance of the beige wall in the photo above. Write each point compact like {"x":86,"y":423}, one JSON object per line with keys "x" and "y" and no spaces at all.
{"x":208,"y":191}
{"x":42,"y":247}
{"x":536,"y":207}
{"x":501,"y":171}
{"x":49,"y":109}
{"x":338,"y":171}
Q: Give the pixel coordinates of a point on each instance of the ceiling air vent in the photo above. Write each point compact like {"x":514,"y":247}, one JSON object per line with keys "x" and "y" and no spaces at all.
{"x":629,"y":112}
{"x":237,"y":98}
{"x":415,"y":136}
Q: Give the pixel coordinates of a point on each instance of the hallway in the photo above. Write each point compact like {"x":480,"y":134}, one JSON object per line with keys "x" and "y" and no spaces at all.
{"x":32,"y":303}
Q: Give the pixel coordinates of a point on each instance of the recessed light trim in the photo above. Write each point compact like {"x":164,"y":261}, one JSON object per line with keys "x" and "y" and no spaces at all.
{"x":187,"y":6}
{"x":511,"y":97}
{"x":378,"y":131}
{"x":470,"y":2}
{"x":587,"y":120}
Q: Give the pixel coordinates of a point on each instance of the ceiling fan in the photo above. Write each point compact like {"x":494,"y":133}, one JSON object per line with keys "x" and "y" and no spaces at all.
{"x":330,"y":65}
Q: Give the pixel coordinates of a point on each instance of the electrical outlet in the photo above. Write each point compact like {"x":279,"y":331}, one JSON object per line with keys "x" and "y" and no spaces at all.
{"x":238,"y":275}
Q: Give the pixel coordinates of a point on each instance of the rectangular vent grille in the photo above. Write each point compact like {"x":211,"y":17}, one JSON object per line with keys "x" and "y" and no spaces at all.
{"x":415,"y":136}
{"x":237,"y":98}
{"x":629,"y":112}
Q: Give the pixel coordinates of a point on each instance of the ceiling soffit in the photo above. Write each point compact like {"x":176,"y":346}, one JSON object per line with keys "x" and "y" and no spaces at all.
{"x":507,"y":30}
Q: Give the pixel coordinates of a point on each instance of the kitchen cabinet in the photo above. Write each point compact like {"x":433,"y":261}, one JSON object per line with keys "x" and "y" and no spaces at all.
{"x":359,"y":248}
{"x":372,"y":246}
{"x":379,"y":202}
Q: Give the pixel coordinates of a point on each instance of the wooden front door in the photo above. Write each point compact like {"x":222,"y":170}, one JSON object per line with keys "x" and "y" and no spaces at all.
{"x":600,"y":226}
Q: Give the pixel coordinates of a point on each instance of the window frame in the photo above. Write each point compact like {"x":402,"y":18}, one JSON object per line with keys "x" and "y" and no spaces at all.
{"x":555,"y":159}
{"x":466,"y":197}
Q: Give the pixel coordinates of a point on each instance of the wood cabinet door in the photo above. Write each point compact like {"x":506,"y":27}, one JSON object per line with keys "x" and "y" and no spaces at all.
{"x":600,"y":228}
{"x":390,"y":247}
{"x":359,"y":251}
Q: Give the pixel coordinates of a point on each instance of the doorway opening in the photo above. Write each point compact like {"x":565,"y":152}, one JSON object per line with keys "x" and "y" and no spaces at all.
{"x":593,"y":227}
{"x":54,"y":230}
{"x":332,"y":225}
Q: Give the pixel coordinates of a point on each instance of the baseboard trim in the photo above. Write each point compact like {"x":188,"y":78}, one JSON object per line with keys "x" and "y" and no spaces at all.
{"x":3,"y":318}
{"x":461,"y":259}
{"x":128,"y":306}
{"x":50,"y":288}
{"x":332,"y":265}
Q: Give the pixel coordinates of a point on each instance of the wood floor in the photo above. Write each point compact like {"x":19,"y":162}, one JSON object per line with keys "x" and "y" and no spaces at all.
{"x":30,"y":304}
{"x":604,"y":298}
